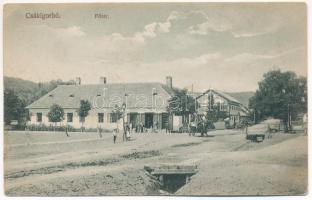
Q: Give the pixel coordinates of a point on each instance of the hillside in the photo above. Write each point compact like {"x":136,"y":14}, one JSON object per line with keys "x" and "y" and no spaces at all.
{"x":242,"y":97}
{"x":24,"y":89}
{"x":29,"y":91}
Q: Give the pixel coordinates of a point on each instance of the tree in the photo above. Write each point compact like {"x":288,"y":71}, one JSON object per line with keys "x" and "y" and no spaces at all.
{"x":83,"y":111}
{"x":281,"y":95}
{"x":182,"y":104}
{"x":118,"y":113}
{"x":14,"y":108}
{"x":56,"y":114}
{"x":214,"y":113}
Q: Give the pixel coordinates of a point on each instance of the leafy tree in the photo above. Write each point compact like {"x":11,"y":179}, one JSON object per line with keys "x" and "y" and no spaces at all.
{"x":118,"y":113}
{"x":214,"y":113}
{"x":14,"y":108}
{"x":56,"y":114}
{"x":83,"y":111}
{"x":211,"y":102}
{"x":281,"y":95}
{"x":182,"y":104}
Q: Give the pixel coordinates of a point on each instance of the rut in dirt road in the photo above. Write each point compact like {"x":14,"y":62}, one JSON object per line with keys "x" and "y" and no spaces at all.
{"x":59,"y":168}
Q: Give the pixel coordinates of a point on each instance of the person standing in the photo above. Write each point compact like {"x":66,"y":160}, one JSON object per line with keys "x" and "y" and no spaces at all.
{"x":128,"y":132}
{"x":305,"y":123}
{"x":141,"y":127}
{"x":192,"y":128}
{"x":115,"y":131}
{"x":130,"y":126}
{"x":114,"y":135}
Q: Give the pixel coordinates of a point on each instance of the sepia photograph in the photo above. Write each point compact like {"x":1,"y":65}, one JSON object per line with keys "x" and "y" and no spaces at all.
{"x":155,"y":99}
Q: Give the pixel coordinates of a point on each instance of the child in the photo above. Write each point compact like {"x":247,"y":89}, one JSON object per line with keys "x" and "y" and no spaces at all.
{"x":115,"y":135}
{"x":127,"y":133}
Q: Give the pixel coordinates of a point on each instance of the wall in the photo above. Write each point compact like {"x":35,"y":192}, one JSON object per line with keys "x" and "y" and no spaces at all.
{"x":91,"y":121}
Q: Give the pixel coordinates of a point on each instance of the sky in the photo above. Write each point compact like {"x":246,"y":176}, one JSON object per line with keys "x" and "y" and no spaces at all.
{"x":225,"y":46}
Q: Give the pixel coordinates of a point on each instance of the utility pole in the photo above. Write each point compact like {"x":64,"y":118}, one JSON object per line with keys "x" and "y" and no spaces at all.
{"x":289,"y":117}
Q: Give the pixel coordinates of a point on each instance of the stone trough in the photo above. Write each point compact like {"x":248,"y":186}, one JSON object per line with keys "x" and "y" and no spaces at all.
{"x":172,"y":177}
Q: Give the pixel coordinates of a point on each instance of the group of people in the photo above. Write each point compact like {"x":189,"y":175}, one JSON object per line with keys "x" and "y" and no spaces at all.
{"x":200,"y":124}
{"x":140,"y":128}
{"x":125,"y":129}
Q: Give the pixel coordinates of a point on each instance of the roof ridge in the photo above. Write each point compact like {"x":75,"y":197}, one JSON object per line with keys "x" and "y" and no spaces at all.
{"x":61,"y":94}
{"x":119,"y":83}
{"x":222,"y":93}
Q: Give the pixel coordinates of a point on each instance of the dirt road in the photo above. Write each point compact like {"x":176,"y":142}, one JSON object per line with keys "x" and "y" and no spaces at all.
{"x":51,"y":164}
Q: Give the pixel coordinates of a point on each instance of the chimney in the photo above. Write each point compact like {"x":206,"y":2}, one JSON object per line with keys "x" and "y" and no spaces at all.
{"x":169,"y":81}
{"x":78,"y":81}
{"x":103,"y":80}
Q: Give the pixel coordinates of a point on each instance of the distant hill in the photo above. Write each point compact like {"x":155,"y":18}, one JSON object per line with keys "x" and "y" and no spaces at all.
{"x":242,"y":97}
{"x":29,"y":91}
{"x":22,"y":88}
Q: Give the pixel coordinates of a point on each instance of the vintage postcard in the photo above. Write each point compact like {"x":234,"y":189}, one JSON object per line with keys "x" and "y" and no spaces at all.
{"x":183,"y":99}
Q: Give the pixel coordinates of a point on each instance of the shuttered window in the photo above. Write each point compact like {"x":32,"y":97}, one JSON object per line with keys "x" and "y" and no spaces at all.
{"x":39,"y":117}
{"x":69,"y":117}
{"x":100,"y":117}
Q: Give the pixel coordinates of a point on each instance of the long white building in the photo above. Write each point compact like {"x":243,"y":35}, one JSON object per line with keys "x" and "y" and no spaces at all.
{"x":145,"y":103}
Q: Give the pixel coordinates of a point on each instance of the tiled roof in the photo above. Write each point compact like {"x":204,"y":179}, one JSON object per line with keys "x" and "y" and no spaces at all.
{"x":222,"y":94}
{"x":139,"y":95}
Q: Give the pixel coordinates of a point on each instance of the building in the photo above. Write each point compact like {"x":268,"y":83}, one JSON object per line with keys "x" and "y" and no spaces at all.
{"x":218,"y":100}
{"x":144,"y":103}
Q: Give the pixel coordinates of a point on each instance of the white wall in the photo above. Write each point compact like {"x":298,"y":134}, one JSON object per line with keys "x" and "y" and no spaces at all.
{"x":91,"y":121}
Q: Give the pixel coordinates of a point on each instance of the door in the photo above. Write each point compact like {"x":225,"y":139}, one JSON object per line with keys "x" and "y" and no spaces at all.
{"x":148,"y":120}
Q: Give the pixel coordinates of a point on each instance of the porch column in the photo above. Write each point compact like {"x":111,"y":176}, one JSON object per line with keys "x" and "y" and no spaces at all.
{"x":160,"y":121}
{"x":142,"y":119}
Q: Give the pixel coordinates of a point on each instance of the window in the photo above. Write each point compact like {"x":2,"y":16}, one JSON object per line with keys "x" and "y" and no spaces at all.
{"x":113,"y":118}
{"x":100,"y":117}
{"x":69,"y":117}
{"x":39,"y":117}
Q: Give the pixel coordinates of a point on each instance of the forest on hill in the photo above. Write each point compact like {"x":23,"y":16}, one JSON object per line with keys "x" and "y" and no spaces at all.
{"x":19,"y":93}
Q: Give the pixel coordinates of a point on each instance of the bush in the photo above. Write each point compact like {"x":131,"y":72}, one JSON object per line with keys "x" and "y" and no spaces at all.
{"x":43,"y":127}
